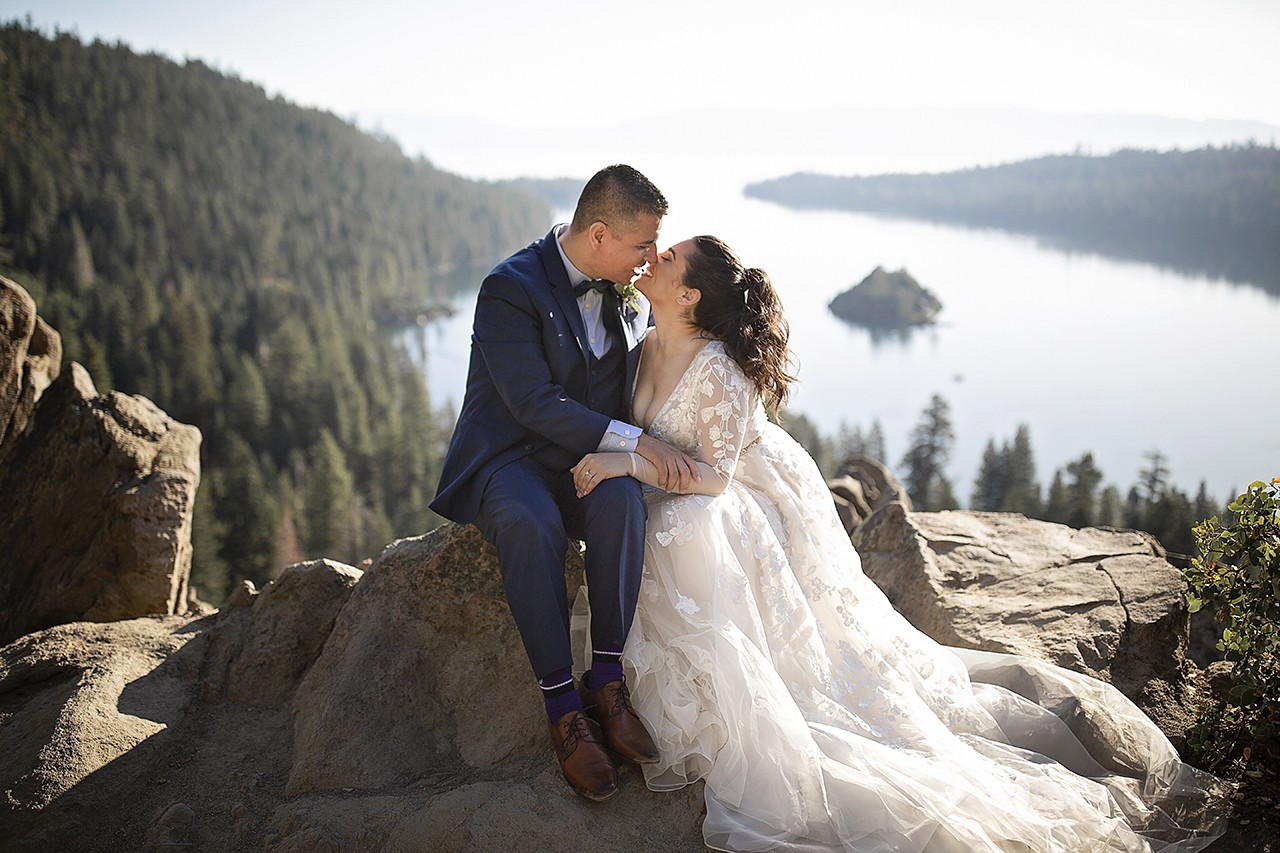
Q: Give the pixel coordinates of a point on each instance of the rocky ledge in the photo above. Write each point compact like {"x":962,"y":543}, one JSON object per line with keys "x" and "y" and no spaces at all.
{"x":391,"y":709}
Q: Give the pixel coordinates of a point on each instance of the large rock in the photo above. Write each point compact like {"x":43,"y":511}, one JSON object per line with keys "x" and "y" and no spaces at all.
{"x":861,"y":487}
{"x":76,"y":699}
{"x":1100,"y":601}
{"x":30,"y":358}
{"x":96,"y":517}
{"x":332,"y":711}
{"x":426,"y":597}
{"x":285,"y":627}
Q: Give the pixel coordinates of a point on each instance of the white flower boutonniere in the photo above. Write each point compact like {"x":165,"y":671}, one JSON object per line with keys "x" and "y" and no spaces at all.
{"x":630,"y":295}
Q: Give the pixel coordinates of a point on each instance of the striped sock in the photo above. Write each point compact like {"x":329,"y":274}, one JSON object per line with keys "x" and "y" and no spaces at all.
{"x":606,"y":666}
{"x":559,"y":695}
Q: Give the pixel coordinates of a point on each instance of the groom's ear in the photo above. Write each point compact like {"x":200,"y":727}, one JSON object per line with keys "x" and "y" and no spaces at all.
{"x":596,"y":232}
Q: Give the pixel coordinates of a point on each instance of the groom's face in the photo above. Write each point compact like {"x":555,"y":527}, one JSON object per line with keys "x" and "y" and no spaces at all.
{"x":629,"y":246}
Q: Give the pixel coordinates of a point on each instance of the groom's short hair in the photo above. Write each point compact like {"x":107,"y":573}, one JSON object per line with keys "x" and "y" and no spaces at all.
{"x":617,"y":195}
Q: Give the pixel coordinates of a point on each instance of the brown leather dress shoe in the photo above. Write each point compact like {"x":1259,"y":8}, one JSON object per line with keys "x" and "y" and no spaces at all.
{"x":583,"y":761}
{"x":624,"y":733}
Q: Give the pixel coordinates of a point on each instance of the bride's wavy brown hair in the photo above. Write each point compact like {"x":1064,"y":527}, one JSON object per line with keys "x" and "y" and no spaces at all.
{"x":740,"y":307}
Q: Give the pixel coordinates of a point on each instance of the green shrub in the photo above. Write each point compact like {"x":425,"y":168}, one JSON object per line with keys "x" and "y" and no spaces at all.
{"x":1237,"y":574}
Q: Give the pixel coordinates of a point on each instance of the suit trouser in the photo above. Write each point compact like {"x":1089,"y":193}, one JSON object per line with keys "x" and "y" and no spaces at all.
{"x":529,"y":512}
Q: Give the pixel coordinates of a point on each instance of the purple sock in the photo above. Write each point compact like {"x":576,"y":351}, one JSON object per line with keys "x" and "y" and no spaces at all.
{"x":559,"y":695}
{"x":606,"y":666}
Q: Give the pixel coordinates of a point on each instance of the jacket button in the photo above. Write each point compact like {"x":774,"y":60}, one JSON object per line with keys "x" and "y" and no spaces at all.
{"x":529,"y":447}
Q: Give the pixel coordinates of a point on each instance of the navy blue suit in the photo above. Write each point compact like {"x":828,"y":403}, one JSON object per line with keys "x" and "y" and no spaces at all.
{"x":528,"y":415}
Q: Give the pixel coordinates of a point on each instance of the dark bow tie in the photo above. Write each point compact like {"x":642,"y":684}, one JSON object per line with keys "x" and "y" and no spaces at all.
{"x":600,"y":285}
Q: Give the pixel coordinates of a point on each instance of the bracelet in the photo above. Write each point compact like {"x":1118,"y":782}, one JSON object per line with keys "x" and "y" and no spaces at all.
{"x":631,"y":459}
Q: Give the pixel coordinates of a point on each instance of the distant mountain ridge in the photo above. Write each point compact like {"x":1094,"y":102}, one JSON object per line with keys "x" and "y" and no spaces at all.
{"x":1211,"y":210}
{"x":759,"y":143}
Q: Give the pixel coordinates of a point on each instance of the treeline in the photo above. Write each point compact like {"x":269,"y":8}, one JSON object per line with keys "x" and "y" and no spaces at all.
{"x":1213,"y":210}
{"x":1007,"y":482}
{"x":230,"y":256}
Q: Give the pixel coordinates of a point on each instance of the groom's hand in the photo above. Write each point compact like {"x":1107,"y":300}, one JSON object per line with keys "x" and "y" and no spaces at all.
{"x":675,"y":469}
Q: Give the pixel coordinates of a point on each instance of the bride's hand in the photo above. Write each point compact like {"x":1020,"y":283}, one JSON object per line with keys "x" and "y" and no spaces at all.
{"x":595,"y":467}
{"x":676,"y":470}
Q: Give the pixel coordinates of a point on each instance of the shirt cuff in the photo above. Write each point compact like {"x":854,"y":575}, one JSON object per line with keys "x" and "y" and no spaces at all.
{"x":620,"y":437}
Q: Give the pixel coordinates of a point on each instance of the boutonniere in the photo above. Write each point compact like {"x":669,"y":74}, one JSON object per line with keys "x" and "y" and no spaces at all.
{"x":629,"y":294}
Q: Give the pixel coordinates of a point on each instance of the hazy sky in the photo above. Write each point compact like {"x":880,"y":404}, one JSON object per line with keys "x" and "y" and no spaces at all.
{"x":515,"y":61}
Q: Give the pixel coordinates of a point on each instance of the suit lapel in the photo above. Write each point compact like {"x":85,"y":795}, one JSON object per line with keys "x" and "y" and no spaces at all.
{"x":563,"y":291}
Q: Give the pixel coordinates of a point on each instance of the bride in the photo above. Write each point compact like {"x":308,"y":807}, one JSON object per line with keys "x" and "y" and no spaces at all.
{"x":765,"y":663}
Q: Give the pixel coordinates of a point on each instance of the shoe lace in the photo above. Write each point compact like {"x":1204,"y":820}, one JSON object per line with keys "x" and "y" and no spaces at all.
{"x":620,"y":701}
{"x":577,"y":730}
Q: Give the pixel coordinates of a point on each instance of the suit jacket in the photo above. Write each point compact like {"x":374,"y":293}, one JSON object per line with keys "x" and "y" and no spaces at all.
{"x":527,"y":377}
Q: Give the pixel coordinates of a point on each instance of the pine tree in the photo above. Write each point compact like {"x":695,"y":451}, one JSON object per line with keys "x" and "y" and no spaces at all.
{"x":851,"y":441}
{"x":1082,"y":491}
{"x":847,"y":443}
{"x":944,"y":496}
{"x":806,"y":433}
{"x":1110,"y":508}
{"x":1170,"y":519}
{"x":248,"y":512}
{"x":873,"y":446}
{"x":990,"y":484}
{"x":246,"y":406}
{"x":1134,"y":510}
{"x":1058,"y":507}
{"x":1155,"y":478}
{"x":927,"y":456}
{"x":1204,"y":506}
{"x":292,"y":378}
{"x":187,"y":350}
{"x":1022,"y":491}
{"x":210,"y":573}
{"x":330,"y":511}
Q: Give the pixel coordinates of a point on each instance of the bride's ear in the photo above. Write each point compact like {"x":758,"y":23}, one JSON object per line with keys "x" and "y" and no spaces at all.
{"x":690,"y":296}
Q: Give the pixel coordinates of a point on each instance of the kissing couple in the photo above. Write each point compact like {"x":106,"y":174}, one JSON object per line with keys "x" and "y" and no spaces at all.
{"x":619,"y":393}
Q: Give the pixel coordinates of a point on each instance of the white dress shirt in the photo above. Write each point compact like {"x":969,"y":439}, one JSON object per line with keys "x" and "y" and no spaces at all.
{"x":620,"y":436}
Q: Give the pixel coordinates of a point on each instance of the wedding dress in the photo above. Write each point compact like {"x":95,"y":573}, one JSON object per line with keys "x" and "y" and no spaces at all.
{"x":765,"y":663}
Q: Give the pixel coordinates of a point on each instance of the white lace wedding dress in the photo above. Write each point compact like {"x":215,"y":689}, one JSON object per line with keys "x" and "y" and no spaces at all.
{"x":766,"y":663}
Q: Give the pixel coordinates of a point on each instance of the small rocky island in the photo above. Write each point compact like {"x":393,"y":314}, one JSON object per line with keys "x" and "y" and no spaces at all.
{"x":883,"y":299}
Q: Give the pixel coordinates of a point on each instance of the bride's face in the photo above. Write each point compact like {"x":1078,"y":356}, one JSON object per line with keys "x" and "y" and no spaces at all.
{"x":664,"y":283}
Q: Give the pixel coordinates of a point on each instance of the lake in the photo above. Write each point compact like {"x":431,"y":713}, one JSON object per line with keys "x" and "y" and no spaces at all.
{"x":1118,"y":358}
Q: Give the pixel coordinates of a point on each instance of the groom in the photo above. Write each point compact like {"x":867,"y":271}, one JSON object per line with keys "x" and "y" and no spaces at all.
{"x":553,"y":355}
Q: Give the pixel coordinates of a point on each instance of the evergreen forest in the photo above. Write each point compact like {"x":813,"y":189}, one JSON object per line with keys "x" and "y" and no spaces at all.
{"x":1212,"y":211}
{"x":1007,"y":480}
{"x":241,"y":261}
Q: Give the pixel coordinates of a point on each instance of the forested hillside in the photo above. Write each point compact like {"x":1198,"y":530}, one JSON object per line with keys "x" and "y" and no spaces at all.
{"x":230,"y":255}
{"x":1213,"y":210}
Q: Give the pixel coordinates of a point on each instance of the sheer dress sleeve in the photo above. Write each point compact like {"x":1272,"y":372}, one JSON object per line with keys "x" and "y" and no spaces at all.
{"x":725,"y":398}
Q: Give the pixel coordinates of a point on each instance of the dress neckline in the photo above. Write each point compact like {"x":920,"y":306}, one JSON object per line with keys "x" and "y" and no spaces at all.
{"x":674,"y":388}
